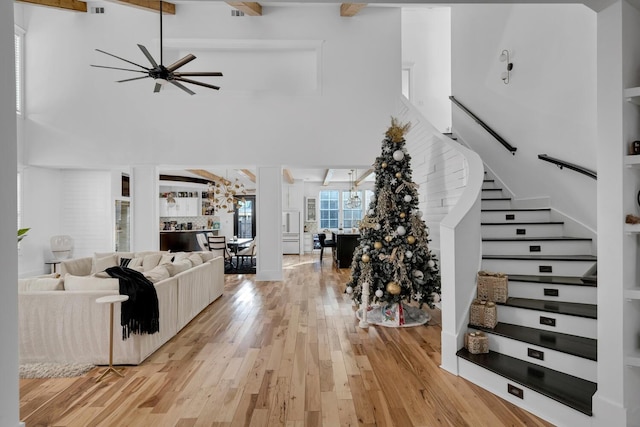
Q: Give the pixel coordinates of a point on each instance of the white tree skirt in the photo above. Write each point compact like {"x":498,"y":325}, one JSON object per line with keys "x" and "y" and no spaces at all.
{"x":413,"y":316}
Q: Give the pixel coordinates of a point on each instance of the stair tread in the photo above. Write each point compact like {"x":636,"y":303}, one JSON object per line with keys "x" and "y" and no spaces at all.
{"x":524,"y":223}
{"x":489,"y":180}
{"x":571,"y":391}
{"x":495,"y":198}
{"x":544,"y":257}
{"x":533,"y":239}
{"x":492,"y":189}
{"x":570,"y":344}
{"x":558,"y":307}
{"x":516,"y":210}
{"x":552,"y":280}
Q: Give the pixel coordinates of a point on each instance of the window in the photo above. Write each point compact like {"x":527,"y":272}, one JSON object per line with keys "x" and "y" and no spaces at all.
{"x":335,"y":214}
{"x":19,"y":52}
{"x":329,"y":209}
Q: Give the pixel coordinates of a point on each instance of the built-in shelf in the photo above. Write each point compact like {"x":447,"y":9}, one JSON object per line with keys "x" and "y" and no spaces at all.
{"x":632,"y":293}
{"x":632,"y":228}
{"x":632,"y":160}
{"x":632,"y":94}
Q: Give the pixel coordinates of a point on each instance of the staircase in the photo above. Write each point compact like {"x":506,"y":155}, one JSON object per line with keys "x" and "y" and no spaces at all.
{"x":542,"y":353}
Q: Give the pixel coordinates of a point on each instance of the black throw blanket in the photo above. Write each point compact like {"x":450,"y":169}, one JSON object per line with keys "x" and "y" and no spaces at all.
{"x":140,"y":313}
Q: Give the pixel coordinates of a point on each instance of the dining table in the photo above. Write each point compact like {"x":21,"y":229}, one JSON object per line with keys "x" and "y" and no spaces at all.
{"x":239,"y":243}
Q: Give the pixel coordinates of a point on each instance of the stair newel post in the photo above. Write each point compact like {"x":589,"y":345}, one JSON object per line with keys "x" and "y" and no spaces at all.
{"x":365,"y":305}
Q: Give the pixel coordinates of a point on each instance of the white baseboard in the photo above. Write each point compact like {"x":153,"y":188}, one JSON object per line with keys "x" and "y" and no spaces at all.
{"x":449,"y":347}
{"x":607,"y":413}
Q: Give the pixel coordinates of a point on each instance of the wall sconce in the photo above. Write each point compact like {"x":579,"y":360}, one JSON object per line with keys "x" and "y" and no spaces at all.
{"x":504,"y":57}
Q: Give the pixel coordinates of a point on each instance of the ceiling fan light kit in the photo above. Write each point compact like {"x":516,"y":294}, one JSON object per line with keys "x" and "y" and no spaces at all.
{"x":162,"y":74}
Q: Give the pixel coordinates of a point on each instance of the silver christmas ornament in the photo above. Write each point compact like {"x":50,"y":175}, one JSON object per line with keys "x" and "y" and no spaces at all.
{"x":435,"y":297}
{"x":408,"y":254}
{"x":349,"y":290}
{"x":418,"y":274}
{"x":371,"y":212}
{"x":407,"y":198}
{"x":379,"y":293}
{"x":431,"y":264}
{"x":398,"y":155}
{"x":377,"y":226}
{"x":401,"y":230}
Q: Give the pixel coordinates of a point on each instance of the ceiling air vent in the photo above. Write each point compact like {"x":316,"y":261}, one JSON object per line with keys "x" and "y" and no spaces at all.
{"x":97,"y":10}
{"x":236,"y":12}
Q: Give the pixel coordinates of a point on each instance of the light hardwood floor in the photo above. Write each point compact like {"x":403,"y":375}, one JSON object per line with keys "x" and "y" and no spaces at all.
{"x":278,"y":354}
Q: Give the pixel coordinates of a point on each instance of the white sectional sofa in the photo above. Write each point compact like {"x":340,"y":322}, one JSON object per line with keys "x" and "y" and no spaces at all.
{"x":66,"y":325}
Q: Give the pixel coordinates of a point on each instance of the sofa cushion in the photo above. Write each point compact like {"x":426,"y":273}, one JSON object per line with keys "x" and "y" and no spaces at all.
{"x":77,"y":266}
{"x":166,"y":259}
{"x":89,"y":283}
{"x":131,"y":262}
{"x":206,"y":256}
{"x":178,"y":267}
{"x":51,"y":282}
{"x":157,"y":274}
{"x":101,"y":264}
{"x":195,"y":259}
{"x":179,"y":256}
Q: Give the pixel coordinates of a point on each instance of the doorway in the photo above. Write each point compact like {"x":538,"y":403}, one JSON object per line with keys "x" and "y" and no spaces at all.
{"x":244,"y":220}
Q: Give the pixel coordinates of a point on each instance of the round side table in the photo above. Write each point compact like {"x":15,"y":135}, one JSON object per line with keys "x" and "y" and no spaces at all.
{"x":111,"y":300}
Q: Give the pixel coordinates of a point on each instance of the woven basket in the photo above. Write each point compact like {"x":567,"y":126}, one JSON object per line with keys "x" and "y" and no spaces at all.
{"x":483,"y":313}
{"x":493,"y":286}
{"x":476,"y":342}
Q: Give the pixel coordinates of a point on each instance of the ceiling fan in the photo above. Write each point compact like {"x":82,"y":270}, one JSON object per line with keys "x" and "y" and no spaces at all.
{"x":162,"y":74}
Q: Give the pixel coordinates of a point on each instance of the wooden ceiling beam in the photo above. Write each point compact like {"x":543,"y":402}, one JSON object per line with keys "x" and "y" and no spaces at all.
{"x":154,"y":5}
{"x":351,"y":9}
{"x":364,"y":175}
{"x":208,"y":175}
{"x":73,"y":5}
{"x":250,"y":175}
{"x":327,"y":177}
{"x":288,"y":176}
{"x":250,"y":8}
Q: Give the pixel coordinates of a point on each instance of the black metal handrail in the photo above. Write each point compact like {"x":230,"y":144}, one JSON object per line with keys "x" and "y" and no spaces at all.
{"x":486,"y":127}
{"x":562,"y":164}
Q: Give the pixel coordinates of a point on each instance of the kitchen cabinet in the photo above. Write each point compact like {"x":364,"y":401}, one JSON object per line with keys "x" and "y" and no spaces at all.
{"x":292,"y":196}
{"x":311,"y":209}
{"x":184,"y":206}
{"x":308,"y":242}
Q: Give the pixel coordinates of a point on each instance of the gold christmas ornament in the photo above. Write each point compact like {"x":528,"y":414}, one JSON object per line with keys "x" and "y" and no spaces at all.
{"x":411,"y":240}
{"x":388,"y":238}
{"x":365,"y":258}
{"x":398,"y":174}
{"x":402,"y":214}
{"x":383,"y":165}
{"x":377,"y":245}
{"x":393,"y":288}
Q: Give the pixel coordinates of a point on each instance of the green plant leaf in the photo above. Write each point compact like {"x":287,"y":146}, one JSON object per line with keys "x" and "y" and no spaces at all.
{"x":22,"y":232}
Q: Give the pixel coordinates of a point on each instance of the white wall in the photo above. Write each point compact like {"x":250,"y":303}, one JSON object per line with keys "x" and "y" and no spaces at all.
{"x":86,"y":118}
{"x":549,"y":106}
{"x":426,"y":49}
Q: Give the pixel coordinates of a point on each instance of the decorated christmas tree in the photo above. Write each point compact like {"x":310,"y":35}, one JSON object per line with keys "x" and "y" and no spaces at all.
{"x":392,"y":263}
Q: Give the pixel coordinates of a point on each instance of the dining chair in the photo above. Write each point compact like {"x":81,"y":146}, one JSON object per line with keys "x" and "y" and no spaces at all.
{"x":248,"y":252}
{"x":324,"y":243}
{"x":203,"y":242}
{"x":218,"y":244}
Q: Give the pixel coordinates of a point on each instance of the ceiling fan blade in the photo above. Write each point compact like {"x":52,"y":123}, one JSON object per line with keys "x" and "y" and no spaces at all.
{"x":183,"y":87}
{"x":179,"y":63}
{"x":117,"y":68}
{"x":199,"y":74}
{"x":122,"y":59}
{"x":157,"y":88}
{"x":197,"y":83}
{"x":135,"y":78}
{"x":148,"y":55}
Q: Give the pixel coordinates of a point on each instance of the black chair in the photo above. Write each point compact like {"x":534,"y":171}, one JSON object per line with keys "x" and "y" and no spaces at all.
{"x":324,"y":243}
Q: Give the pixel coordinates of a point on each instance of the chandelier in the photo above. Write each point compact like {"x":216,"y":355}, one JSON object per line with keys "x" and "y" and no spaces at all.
{"x":223,"y":195}
{"x":354,"y":201}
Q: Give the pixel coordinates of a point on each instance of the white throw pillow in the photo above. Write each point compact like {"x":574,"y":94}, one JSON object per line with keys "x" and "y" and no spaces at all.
{"x":90,"y":283}
{"x":178,"y":267}
{"x":149,"y":262}
{"x":101,"y":264}
{"x":206,"y":256}
{"x":157,"y":274}
{"x":195,"y":259}
{"x":179,"y":256}
{"x":166,"y":259}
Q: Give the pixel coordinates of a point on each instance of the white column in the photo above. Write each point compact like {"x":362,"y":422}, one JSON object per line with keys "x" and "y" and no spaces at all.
{"x":608,"y":402}
{"x":9,"y":392}
{"x":145,"y":222}
{"x":269,"y":223}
